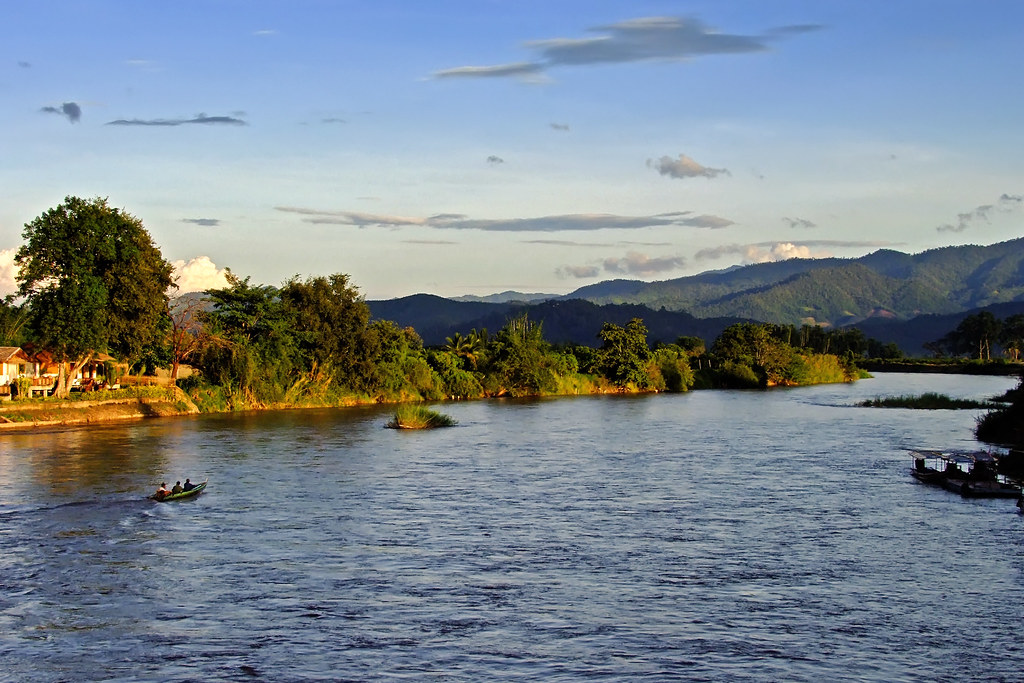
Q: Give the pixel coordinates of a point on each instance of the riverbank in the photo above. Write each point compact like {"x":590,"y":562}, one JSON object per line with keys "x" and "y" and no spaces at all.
{"x":142,"y":402}
{"x":123,"y":404}
{"x":946,"y":367}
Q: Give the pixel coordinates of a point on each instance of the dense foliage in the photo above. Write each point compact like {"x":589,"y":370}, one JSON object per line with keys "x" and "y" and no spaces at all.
{"x":1005,"y":426}
{"x":93,"y":281}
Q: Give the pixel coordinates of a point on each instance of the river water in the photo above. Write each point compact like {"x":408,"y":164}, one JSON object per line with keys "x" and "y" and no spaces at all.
{"x":715,"y":535}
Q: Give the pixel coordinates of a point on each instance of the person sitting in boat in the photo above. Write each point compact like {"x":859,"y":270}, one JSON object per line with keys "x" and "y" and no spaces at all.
{"x":177,"y":487}
{"x":188,"y":485}
{"x":951,"y":469}
{"x":161,"y":492}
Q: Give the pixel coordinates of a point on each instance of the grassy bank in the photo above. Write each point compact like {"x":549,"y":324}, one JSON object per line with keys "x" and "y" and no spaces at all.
{"x":927,"y":401}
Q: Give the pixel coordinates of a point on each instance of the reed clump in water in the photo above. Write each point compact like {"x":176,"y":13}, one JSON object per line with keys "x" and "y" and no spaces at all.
{"x":419,"y":417}
{"x":927,"y":401}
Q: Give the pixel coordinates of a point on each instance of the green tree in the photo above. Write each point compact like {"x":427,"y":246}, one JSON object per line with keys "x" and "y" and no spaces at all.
{"x":974,"y":335}
{"x":517,"y":360}
{"x":94,"y":281}
{"x":624,"y":354}
{"x":330,"y":321}
{"x":1012,"y":336}
{"x":755,"y":346}
{"x":13,"y":320}
{"x":672,"y":364}
{"x":252,"y":347}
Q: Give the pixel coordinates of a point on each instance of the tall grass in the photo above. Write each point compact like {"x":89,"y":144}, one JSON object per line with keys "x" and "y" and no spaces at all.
{"x":926,"y":401}
{"x":419,"y":417}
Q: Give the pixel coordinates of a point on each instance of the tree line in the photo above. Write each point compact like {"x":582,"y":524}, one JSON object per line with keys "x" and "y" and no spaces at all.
{"x":91,"y":279}
{"x":978,"y":333}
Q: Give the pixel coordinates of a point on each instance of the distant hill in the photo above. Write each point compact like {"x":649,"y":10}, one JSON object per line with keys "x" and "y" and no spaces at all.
{"x":837,"y":291}
{"x":909,"y":299}
{"x":507,"y":297}
{"x":565,"y":320}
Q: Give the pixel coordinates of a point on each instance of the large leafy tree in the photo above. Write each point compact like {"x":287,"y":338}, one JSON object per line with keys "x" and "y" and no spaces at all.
{"x":94,"y":281}
{"x":624,"y":354}
{"x":251,"y":341}
{"x":517,"y":360}
{"x":755,"y":346}
{"x":13,"y":319}
{"x":330,"y":321}
{"x":1012,"y":336}
{"x":974,"y":335}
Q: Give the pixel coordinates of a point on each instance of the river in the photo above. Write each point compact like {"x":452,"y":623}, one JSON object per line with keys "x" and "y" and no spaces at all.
{"x":715,"y":535}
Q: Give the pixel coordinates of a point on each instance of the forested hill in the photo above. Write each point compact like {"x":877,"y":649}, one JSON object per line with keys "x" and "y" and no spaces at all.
{"x":564,"y":321}
{"x":892,"y":296}
{"x":838,"y":291}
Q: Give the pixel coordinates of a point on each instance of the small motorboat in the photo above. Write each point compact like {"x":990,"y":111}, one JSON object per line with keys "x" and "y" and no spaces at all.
{"x":191,"y":493}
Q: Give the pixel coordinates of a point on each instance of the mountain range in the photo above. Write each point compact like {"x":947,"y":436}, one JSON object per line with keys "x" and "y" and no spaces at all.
{"x":909,"y":299}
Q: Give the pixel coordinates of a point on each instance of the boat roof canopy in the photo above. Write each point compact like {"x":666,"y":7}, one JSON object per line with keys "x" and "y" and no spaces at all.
{"x":957,"y":456}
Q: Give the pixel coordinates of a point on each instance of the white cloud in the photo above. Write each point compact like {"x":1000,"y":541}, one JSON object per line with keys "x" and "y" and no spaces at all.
{"x":8,"y":272}
{"x":198,"y":274}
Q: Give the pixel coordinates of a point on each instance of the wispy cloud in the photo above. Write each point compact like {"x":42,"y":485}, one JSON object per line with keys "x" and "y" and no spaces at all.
{"x":199,"y":119}
{"x":634,"y":40}
{"x":578,"y":272}
{"x":798,"y":222}
{"x":634,"y":263}
{"x":684,"y":167}
{"x":70,"y":110}
{"x":1005,"y":204}
{"x":205,"y":222}
{"x":522,"y":70}
{"x":566,"y":222}
{"x":265,"y":32}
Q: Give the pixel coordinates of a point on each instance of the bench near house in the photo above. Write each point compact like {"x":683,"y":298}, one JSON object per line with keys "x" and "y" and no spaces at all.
{"x":42,"y":371}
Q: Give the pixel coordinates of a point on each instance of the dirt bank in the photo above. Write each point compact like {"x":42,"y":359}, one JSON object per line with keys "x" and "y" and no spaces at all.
{"x":47,"y":413}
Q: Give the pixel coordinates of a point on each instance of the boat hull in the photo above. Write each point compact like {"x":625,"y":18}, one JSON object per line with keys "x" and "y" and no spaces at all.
{"x":191,"y":493}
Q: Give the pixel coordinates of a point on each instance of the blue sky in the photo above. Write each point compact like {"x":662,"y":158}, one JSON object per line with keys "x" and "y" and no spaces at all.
{"x":488,"y":145}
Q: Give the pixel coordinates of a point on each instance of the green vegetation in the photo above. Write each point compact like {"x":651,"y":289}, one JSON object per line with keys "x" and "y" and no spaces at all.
{"x":419,"y":417}
{"x":926,"y":401}
{"x":752,"y":355}
{"x":1005,"y":425}
{"x":92,"y":280}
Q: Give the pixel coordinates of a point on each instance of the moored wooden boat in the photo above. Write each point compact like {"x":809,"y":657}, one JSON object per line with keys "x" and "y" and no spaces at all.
{"x":972,"y":474}
{"x":184,"y":494}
